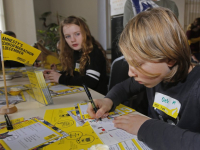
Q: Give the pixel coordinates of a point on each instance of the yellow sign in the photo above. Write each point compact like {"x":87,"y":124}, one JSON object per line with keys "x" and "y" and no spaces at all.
{"x":16,"y":50}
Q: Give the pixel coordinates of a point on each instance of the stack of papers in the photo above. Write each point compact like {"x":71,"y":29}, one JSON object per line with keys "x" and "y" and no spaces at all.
{"x":84,"y":131}
{"x":69,"y":128}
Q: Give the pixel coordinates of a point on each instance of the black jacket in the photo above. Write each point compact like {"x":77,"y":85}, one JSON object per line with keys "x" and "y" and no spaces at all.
{"x":185,"y":93}
{"x":159,"y":135}
{"x":95,"y":72}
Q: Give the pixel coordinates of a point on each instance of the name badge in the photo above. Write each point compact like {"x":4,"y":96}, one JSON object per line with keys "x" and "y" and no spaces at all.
{"x":167,"y":104}
{"x":77,"y":67}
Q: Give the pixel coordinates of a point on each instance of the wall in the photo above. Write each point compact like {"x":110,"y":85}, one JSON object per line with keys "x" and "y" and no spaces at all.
{"x":103,"y":29}
{"x":86,"y":9}
{"x":181,"y":7}
{"x":19,"y":18}
{"x":41,"y":6}
{"x":81,"y":8}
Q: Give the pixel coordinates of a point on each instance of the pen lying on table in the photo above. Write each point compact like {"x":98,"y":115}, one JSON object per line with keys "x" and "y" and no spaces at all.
{"x":8,"y":122}
{"x":90,"y":99}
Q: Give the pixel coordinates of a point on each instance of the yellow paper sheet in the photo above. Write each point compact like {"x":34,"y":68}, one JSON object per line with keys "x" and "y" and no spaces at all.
{"x":79,"y":138}
{"x":5,"y":133}
{"x":60,"y":118}
{"x":18,"y":126}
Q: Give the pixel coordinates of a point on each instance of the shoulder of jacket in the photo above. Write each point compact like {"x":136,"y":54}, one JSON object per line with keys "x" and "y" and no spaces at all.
{"x":96,"y":50}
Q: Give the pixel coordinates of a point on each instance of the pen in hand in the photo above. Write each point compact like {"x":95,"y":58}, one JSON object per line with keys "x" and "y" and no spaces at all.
{"x":90,"y":98}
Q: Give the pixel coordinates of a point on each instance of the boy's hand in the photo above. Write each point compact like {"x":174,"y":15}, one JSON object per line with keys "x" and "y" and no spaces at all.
{"x":130,"y":123}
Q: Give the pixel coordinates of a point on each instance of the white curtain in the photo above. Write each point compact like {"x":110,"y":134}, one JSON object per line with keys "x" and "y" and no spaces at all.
{"x":192,"y":11}
{"x":2,"y":18}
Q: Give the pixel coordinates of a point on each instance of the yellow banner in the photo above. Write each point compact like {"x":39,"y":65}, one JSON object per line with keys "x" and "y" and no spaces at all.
{"x":16,"y":50}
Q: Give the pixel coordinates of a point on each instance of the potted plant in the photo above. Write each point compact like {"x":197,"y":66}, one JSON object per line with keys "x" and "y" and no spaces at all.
{"x":50,"y":35}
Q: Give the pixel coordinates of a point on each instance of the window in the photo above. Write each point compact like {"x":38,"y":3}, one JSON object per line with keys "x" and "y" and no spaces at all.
{"x":192,"y":11}
{"x":2,"y":18}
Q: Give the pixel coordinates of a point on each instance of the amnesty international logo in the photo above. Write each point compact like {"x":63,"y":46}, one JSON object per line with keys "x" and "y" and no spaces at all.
{"x":16,"y":50}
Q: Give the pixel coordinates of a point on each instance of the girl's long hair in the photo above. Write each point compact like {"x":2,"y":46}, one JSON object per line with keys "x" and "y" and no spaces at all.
{"x":66,"y":53}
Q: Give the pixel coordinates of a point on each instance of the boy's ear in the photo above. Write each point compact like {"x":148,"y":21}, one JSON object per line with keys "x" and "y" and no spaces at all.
{"x":171,"y":63}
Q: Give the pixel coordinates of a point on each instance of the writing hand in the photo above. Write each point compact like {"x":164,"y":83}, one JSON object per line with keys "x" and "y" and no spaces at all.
{"x":130,"y":123}
{"x":103,"y":105}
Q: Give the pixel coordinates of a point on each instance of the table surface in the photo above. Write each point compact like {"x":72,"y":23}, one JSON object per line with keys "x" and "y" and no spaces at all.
{"x":32,"y":108}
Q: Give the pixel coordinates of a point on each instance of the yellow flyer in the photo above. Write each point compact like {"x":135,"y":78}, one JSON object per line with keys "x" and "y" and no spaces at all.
{"x":28,"y":135}
{"x":18,"y":126}
{"x":60,"y":118}
{"x":82,"y":137}
{"x":16,"y":50}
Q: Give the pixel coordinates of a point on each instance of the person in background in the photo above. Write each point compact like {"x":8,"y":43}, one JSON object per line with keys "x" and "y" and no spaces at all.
{"x":10,"y":63}
{"x":82,"y":57}
{"x":47,"y":59}
{"x":193,"y":34}
{"x":133,"y":7}
{"x":10,"y":33}
{"x":159,"y":57}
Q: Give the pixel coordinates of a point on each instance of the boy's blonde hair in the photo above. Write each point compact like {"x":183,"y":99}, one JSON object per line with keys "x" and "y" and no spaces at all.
{"x":155,"y":35}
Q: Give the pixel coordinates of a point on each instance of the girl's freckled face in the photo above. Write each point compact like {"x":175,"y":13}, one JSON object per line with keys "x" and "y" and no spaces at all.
{"x":73,"y":36}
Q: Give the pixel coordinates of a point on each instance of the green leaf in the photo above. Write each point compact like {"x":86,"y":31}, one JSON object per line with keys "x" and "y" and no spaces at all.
{"x":46,"y":14}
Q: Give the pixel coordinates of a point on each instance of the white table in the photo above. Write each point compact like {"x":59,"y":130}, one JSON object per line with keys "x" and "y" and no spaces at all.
{"x":32,"y":108}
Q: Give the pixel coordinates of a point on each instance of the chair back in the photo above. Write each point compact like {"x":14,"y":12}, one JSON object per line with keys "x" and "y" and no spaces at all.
{"x":118,"y":72}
